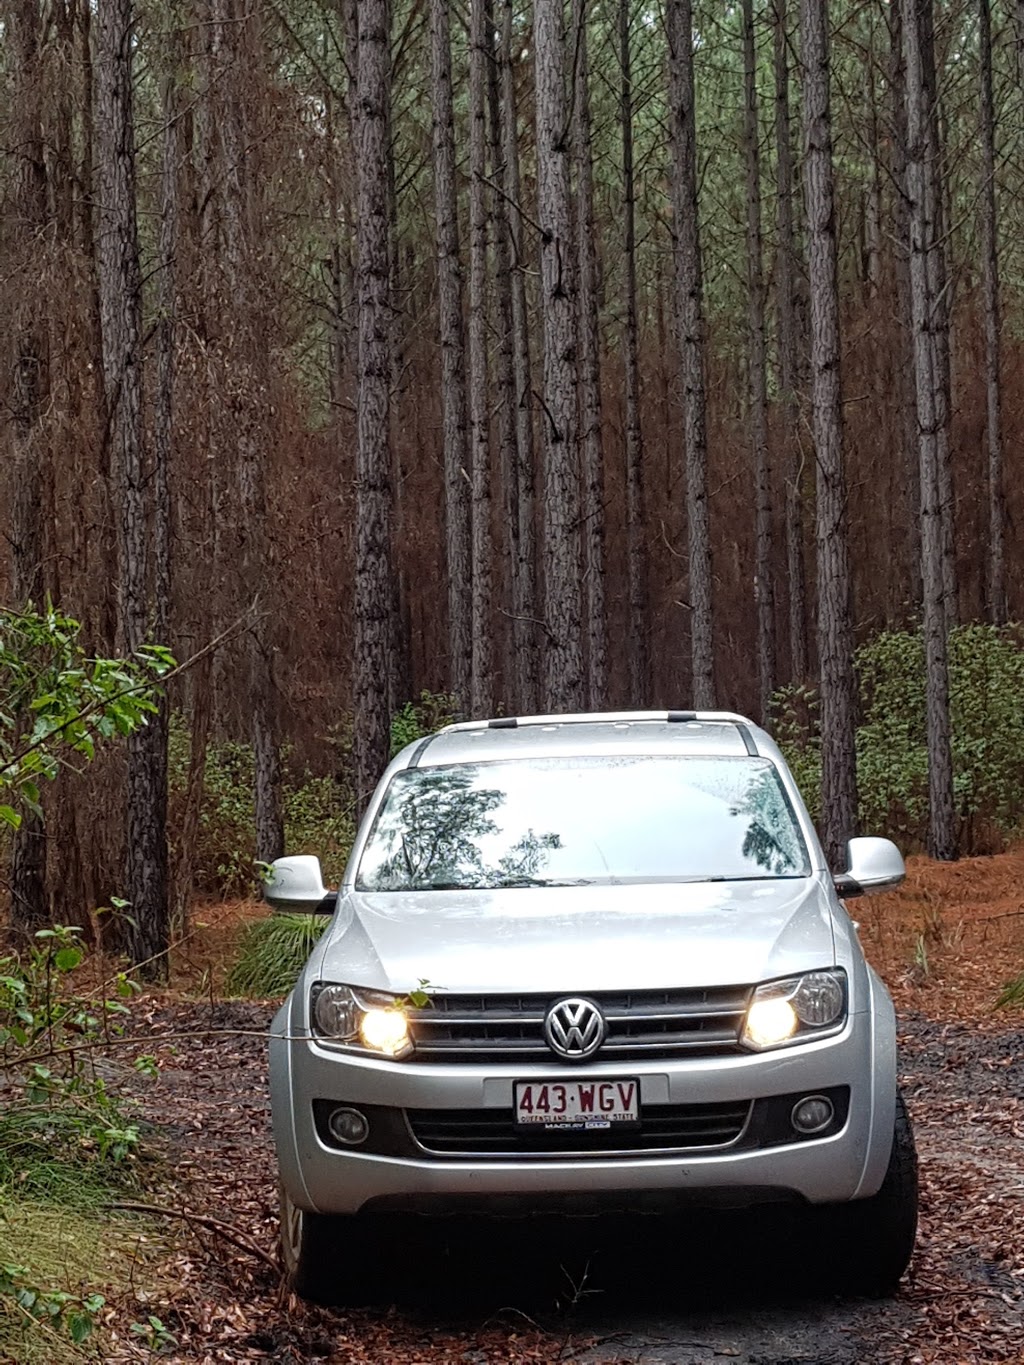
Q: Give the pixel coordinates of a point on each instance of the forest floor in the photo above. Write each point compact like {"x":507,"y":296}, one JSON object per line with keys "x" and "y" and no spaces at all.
{"x":619,"y":1290}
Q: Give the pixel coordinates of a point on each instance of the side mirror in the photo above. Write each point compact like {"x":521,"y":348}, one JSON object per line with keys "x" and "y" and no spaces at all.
{"x":296,"y":885}
{"x":874,"y":864}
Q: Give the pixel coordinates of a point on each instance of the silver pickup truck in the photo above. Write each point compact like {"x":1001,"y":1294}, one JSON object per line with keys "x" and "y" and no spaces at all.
{"x":584,"y":962}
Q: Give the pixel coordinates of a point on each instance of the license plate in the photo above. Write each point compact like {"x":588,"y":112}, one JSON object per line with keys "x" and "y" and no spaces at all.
{"x":577,"y":1106}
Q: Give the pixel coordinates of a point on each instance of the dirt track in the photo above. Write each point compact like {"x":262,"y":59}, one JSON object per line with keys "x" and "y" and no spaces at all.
{"x":604,"y":1290}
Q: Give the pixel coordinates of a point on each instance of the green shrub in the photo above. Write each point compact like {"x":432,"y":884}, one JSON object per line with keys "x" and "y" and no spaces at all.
{"x":317,"y":815}
{"x":318,"y":820}
{"x":417,"y":719}
{"x":61,"y":1126}
{"x":796,"y":725}
{"x":892,"y":757}
{"x":226,"y":841}
{"x":318,"y":809}
{"x":986,"y":676}
{"x":271,"y":954}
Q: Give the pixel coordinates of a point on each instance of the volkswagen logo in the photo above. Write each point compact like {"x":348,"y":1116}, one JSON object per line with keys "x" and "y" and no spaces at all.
{"x":574,"y":1028}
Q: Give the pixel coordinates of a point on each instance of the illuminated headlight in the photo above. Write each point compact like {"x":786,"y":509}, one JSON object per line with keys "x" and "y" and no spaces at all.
{"x":795,"y":1010}
{"x":386,"y":1031}
{"x":366,"y":1019}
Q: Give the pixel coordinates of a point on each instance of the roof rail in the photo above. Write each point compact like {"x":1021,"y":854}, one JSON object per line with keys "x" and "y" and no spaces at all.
{"x":590,"y":717}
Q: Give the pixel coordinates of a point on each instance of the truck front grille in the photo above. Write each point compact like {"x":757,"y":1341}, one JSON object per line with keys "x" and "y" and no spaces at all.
{"x":641,"y":1025}
{"x":492,"y":1132}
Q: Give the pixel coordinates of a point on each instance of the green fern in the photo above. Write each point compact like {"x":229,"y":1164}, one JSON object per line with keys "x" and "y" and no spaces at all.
{"x":272,"y":953}
{"x":1012,"y":993}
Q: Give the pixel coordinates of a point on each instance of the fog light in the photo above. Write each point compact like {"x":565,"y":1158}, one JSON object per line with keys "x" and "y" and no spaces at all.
{"x":812,"y":1115}
{"x":348,"y":1126}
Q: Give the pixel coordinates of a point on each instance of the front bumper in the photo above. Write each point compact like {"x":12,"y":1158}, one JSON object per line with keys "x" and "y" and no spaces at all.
{"x":847,"y":1164}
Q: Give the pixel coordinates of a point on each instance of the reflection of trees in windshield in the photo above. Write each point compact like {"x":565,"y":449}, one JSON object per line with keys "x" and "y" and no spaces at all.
{"x":770,"y":838}
{"x":429,"y":835}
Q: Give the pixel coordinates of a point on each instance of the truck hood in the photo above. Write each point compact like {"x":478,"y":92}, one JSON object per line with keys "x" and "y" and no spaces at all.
{"x":579,"y":938}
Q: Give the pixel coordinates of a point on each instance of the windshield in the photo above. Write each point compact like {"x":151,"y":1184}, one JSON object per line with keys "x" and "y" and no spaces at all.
{"x":580,"y":820}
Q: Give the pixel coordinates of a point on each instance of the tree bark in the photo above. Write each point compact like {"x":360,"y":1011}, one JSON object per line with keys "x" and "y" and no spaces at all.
{"x":996,"y":577}
{"x":29,"y":903}
{"x":524,"y":572}
{"x":940,"y":291}
{"x":786,"y":285}
{"x":482,"y":677}
{"x":690,"y":327}
{"x":563,"y":654}
{"x":455,"y":432}
{"x":636,"y":509}
{"x":764,"y":586}
{"x":873,"y":192}
{"x":249,"y":366}
{"x":146,"y":928}
{"x":908,"y":515}
{"x":925,"y":240}
{"x":372,"y":654}
{"x":505,"y":376}
{"x":163,"y":441}
{"x":835,"y":634}
{"x":589,"y":373}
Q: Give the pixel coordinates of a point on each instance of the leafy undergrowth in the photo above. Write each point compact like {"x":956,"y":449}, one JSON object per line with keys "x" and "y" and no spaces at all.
{"x":76,"y":1273}
{"x":70,"y":1159}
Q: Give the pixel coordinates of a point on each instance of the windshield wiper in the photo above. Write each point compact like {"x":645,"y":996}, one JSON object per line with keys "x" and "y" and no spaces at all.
{"x":539,"y":881}
{"x":501,"y":884}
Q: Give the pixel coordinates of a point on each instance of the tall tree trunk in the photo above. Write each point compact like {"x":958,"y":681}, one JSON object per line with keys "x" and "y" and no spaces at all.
{"x":940,"y":291}
{"x":163,"y":426}
{"x":690,"y":327}
{"x":505,"y":376}
{"x":372,"y":654}
{"x":402,"y":301}
{"x":835,"y":634}
{"x":249,"y":364}
{"x":341,"y":177}
{"x":996,"y":578}
{"x":873,"y":191}
{"x":31,"y":383}
{"x":146,"y":929}
{"x":786,"y":286}
{"x":453,"y":358}
{"x":764,"y":586}
{"x":194,"y":132}
{"x":636,"y":509}
{"x":524,"y":572}
{"x":166,"y":340}
{"x":908,"y":513}
{"x":563,"y":654}
{"x":925,"y":240}
{"x":482,"y":677}
{"x":589,"y":373}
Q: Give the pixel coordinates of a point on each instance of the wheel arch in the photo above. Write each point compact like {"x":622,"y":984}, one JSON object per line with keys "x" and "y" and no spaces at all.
{"x":284,"y":1037}
{"x":882,"y":1093}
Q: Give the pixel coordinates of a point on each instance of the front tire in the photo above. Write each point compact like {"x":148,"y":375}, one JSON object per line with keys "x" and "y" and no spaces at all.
{"x":877,"y":1234}
{"x":312,"y":1249}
